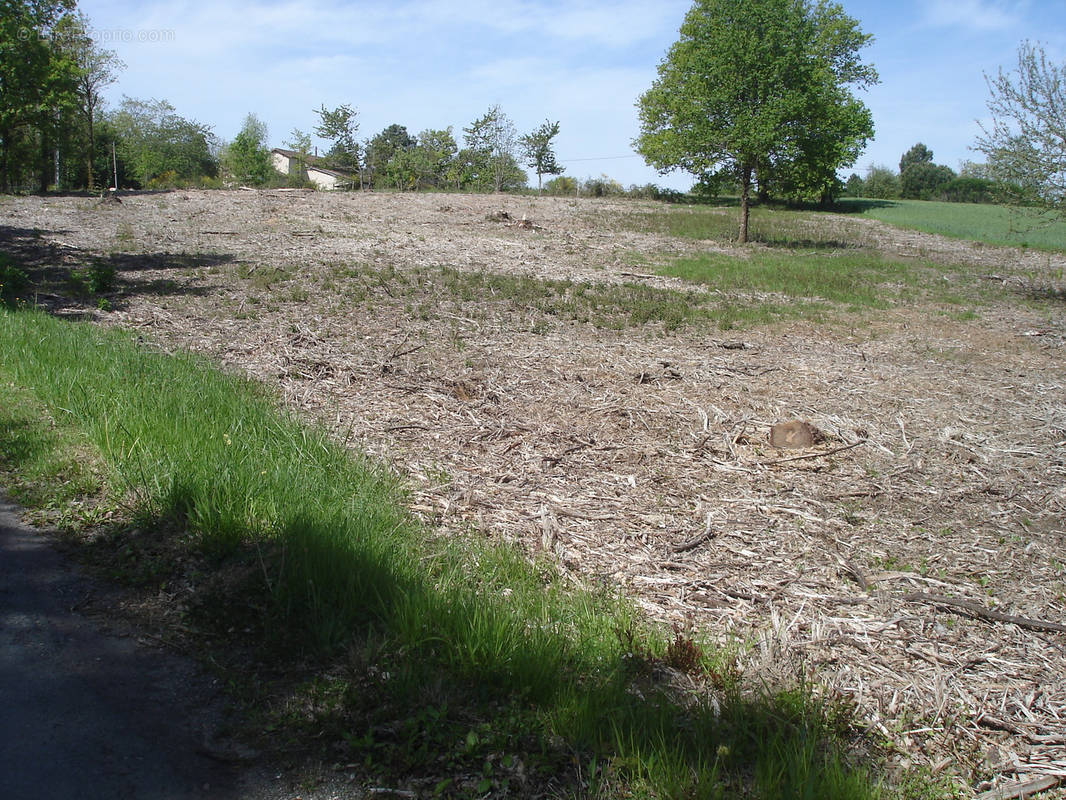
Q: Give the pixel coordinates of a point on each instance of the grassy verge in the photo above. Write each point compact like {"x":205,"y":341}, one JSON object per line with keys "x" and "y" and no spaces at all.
{"x":453,"y":666}
{"x":992,"y":224}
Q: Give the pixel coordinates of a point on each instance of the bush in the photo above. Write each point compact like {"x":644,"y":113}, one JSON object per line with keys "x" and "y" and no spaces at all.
{"x":12,"y":279}
{"x":881,"y":183}
{"x":601,"y":187}
{"x":651,"y":191}
{"x":563,"y":185}
{"x":924,"y":181}
{"x":970,"y":190}
{"x":167,"y":179}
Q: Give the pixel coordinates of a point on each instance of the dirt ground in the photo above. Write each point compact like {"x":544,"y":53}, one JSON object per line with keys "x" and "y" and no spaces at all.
{"x":914,"y":560}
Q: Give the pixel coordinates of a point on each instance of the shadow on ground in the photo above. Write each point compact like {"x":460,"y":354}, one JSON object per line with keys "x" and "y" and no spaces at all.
{"x":65,"y":278}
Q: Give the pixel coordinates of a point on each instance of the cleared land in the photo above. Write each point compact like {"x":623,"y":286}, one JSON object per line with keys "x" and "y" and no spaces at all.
{"x":542,"y":383}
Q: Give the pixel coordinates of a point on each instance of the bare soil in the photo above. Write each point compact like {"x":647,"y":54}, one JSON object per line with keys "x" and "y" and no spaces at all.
{"x":913,"y":560}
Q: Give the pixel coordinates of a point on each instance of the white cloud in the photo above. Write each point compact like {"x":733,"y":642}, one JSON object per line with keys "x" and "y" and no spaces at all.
{"x":979,"y":15}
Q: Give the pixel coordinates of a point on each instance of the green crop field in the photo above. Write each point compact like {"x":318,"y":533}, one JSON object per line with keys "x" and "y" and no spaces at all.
{"x":1001,"y":225}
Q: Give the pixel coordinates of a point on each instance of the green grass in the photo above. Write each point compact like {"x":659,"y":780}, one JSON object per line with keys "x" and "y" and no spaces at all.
{"x":992,"y":224}
{"x":772,"y":226}
{"x":854,"y":280}
{"x":429,"y":292}
{"x":453,"y":649}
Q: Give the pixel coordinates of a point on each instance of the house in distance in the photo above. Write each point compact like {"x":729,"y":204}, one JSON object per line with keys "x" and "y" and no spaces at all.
{"x":289,"y":162}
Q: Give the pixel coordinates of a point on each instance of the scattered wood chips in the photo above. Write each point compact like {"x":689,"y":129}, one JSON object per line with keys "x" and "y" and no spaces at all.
{"x":912,"y":559}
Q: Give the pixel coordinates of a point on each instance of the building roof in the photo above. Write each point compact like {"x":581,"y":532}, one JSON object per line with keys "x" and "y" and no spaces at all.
{"x":317,"y":163}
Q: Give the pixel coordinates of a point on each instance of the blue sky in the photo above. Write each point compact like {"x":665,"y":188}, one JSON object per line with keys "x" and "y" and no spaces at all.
{"x":433,"y":63}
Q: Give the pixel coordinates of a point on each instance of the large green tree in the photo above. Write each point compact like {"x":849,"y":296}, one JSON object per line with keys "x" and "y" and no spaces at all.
{"x":384,"y":156}
{"x":158,"y":146}
{"x":758,"y":92}
{"x":96,"y":68}
{"x":36,"y":89}
{"x":493,"y":141}
{"x":1025,"y":142}
{"x":924,"y":180}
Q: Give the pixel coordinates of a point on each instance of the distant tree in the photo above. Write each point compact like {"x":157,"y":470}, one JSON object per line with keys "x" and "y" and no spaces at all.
{"x":923,"y":181}
{"x":340,"y":127}
{"x":537,"y":148}
{"x":493,"y":140}
{"x":153,"y":140}
{"x":437,"y":152}
{"x":1026,"y":141}
{"x":247,"y":158}
{"x":299,"y":143}
{"x":383,"y":161}
{"x":854,"y":186}
{"x":96,"y":68}
{"x":919,"y":154}
{"x":603,"y":186}
{"x":881,"y":182}
{"x":757,"y":92}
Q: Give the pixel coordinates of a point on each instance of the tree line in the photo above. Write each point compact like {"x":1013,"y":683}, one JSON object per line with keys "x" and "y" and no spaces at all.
{"x":756,"y":96}
{"x":920,"y":178}
{"x":55,"y":133}
{"x":488,"y":160}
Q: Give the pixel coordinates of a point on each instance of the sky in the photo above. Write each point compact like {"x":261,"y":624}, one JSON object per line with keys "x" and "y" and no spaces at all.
{"x":584,"y":63}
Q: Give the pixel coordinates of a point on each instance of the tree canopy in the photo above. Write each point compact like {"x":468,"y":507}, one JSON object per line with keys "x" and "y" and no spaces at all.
{"x":37,"y":90}
{"x":340,"y":127}
{"x":158,"y":147}
{"x":1026,"y":141}
{"x":96,"y":68}
{"x":491,"y":142}
{"x":757,"y":92}
{"x":919,"y":154}
{"x":537,"y":148}
{"x":247,"y":159}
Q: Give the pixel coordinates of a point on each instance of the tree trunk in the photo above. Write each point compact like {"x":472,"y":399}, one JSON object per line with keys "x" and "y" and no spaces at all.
{"x":745,"y":198}
{"x":92,"y":152}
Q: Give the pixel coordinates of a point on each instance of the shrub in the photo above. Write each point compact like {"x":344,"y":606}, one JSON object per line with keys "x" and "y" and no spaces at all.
{"x":563,"y":185}
{"x":651,"y":191}
{"x":970,"y":190}
{"x":12,"y":279}
{"x":602,"y":186}
{"x":881,"y":183}
{"x":167,"y":179}
{"x":924,"y":181}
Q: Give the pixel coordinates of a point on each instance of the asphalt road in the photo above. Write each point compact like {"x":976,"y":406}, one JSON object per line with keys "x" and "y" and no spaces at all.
{"x":87,"y":712}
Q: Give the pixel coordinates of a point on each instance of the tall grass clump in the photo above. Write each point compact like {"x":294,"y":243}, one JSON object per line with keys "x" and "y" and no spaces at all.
{"x":213,"y":458}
